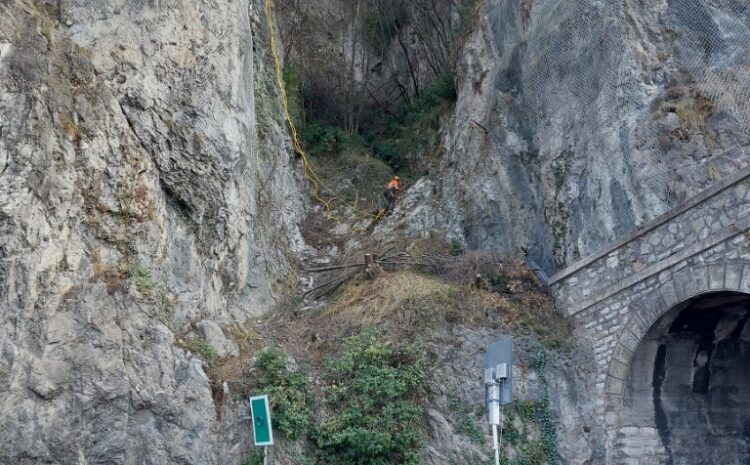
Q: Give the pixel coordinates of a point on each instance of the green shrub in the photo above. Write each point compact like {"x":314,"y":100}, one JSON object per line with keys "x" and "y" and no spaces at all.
{"x":392,"y":155}
{"x":498,"y":282}
{"x":442,"y":90}
{"x":456,"y":248}
{"x":321,"y":139}
{"x":200,"y":346}
{"x":372,"y":389}
{"x":398,"y":139}
{"x":412,"y":131}
{"x":526,"y":410}
{"x":510,"y":433}
{"x":532,"y":453}
{"x":466,"y":419}
{"x":287,"y":393}
{"x":255,"y":458}
{"x":142,"y":278}
{"x":545,"y":416}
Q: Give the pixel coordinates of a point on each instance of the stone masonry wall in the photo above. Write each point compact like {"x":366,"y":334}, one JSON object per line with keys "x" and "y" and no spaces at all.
{"x":615,"y":296}
{"x":711,"y":217}
{"x":617,"y":325}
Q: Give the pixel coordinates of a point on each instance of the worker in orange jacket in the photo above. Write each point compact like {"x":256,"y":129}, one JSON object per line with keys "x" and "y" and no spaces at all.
{"x":390,"y":193}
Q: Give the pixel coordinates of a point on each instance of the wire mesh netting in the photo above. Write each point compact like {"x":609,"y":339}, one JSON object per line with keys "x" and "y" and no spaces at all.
{"x":578,"y":45}
{"x":719,"y":36}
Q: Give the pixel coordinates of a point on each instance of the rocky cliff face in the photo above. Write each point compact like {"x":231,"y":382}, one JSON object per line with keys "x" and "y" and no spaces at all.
{"x":145,"y":185}
{"x":579,"y":121}
{"x":148,"y":194}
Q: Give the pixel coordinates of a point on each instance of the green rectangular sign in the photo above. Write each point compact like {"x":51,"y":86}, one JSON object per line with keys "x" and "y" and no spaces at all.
{"x":261,"y":414}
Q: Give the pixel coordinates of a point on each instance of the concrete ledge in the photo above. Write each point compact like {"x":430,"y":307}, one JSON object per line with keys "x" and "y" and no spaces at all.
{"x":689,"y":204}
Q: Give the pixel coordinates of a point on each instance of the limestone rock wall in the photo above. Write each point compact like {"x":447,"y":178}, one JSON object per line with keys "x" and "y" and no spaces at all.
{"x":579,"y":121}
{"x":146,"y":184}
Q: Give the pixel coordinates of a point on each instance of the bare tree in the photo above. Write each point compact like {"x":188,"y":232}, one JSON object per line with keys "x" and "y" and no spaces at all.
{"x":362,"y":56}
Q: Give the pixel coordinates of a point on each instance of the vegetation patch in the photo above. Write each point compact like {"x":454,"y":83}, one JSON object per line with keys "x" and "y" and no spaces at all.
{"x":410,"y":304}
{"x":266,"y":103}
{"x":693,"y":108}
{"x":167,"y":303}
{"x":142,"y":278}
{"x":199,"y":346}
{"x":287,"y":390}
{"x":255,"y":458}
{"x":467,"y":423}
{"x":373,"y":387}
{"x":529,"y":429}
{"x":370,"y":384}
{"x":111,"y":276}
{"x":322,"y":139}
{"x":356,"y":177}
{"x":383,"y":24}
{"x":401,"y":301}
{"x":545,"y":417}
{"x":293,"y":87}
{"x":47,"y":14}
{"x":407,"y":140}
{"x":695,"y":113}
{"x":371,"y":413}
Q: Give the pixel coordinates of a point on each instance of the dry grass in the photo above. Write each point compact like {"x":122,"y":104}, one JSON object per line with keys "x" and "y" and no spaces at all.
{"x":409,"y":304}
{"x":356,"y":177}
{"x":418,"y":246}
{"x":392,"y":299}
{"x":695,"y":113}
{"x":692,"y":107}
{"x":406,"y":305}
{"x":70,"y":128}
{"x":466,"y":266}
{"x":114,"y":278}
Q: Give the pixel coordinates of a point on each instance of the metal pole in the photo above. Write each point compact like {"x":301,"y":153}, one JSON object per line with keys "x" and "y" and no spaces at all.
{"x":495,"y":445}
{"x":500,"y":440}
{"x":265,"y":455}
{"x":498,"y":381}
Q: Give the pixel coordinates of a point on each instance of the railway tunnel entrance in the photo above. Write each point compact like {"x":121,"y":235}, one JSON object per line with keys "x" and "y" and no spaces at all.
{"x":687,"y":393}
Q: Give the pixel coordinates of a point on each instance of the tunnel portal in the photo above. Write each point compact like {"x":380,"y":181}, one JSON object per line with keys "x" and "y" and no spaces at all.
{"x":687,"y":393}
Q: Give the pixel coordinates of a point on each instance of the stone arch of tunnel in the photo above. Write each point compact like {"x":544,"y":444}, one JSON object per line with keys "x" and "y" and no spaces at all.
{"x":685,"y":395}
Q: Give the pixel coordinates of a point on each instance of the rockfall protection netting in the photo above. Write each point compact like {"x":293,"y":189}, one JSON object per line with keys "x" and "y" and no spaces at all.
{"x":578,"y":45}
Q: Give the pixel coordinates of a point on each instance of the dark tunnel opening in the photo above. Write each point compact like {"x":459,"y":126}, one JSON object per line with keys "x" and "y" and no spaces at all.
{"x":687,"y":397}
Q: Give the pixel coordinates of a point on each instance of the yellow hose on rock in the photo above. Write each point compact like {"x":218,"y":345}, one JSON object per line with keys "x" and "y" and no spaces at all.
{"x":310,"y":174}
